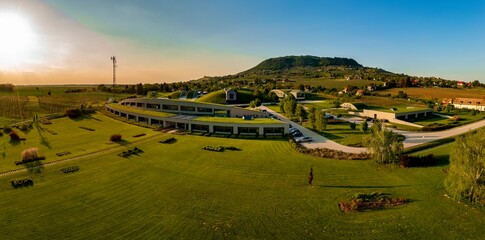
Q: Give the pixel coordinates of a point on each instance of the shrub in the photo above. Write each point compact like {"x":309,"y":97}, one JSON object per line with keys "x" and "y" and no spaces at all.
{"x":7,"y":129}
{"x":24,"y":182}
{"x":14,"y":136}
{"x":74,"y":112}
{"x":417,"y":161}
{"x":168,"y":140}
{"x":29,"y":153}
{"x":115,"y":137}
{"x":69,"y":169}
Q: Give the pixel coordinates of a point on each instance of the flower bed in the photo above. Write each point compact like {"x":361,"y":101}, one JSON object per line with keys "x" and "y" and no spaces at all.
{"x":134,"y":151}
{"x":168,"y":140}
{"x":363,"y":201}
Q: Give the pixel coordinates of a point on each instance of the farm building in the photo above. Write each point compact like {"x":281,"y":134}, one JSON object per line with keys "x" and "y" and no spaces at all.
{"x":394,"y":114}
{"x":298,"y":94}
{"x":201,"y":117}
{"x":467,"y":103}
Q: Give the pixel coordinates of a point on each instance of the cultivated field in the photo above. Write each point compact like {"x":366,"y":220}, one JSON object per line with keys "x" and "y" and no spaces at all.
{"x":439,"y":93}
{"x":177,"y":190}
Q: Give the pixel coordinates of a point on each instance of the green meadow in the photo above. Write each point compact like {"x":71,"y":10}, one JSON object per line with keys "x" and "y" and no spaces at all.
{"x":178,"y":190}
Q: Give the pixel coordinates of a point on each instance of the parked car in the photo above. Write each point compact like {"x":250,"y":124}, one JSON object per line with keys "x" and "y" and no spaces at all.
{"x":303,"y":139}
{"x":297,"y":134}
{"x":293,"y":130}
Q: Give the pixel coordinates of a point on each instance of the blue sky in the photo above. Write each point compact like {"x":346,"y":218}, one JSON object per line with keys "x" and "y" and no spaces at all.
{"x":180,"y":40}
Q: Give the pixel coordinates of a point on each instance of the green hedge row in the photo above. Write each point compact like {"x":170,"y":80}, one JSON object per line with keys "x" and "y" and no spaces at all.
{"x":29,"y":159}
{"x":70,"y":169}
{"x":24,"y":182}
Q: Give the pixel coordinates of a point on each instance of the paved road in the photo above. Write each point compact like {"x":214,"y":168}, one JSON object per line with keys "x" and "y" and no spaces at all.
{"x":319,"y":141}
{"x":412,"y":138}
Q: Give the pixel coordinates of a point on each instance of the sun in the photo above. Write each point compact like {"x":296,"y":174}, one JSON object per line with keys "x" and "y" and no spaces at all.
{"x":17,"y":41}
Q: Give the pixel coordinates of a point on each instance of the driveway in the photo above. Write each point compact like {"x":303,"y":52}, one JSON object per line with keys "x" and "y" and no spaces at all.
{"x":319,"y":141}
{"x":412,"y":138}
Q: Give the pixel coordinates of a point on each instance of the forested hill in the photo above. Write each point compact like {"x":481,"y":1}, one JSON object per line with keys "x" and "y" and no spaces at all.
{"x":289,"y":62}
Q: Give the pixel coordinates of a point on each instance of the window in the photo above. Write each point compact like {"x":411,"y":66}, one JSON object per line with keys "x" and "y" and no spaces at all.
{"x":205,"y":110}
{"x":224,"y":129}
{"x":170,"y":107}
{"x":199,"y":127}
{"x":187,"y":108}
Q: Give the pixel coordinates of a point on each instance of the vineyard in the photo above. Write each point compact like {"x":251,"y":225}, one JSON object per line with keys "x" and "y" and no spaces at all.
{"x":55,"y":104}
{"x":14,"y":107}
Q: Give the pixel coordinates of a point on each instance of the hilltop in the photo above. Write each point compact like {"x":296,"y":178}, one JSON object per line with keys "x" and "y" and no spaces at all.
{"x":291,"y":62}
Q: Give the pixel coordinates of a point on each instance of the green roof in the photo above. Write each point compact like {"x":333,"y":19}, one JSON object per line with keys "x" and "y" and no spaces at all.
{"x":119,"y":107}
{"x":401,"y":109}
{"x":237,"y":120}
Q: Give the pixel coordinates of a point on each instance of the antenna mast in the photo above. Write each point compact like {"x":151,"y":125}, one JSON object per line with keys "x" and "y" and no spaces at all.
{"x":113,"y":58}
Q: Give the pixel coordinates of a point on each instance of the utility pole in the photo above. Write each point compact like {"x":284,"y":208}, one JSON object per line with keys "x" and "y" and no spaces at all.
{"x":113,"y":58}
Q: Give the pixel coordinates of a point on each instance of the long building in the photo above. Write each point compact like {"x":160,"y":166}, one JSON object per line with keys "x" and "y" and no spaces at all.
{"x":468,"y":103}
{"x":194,"y":116}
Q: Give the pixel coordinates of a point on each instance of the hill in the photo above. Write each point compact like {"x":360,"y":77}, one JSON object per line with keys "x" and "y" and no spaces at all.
{"x":289,"y":62}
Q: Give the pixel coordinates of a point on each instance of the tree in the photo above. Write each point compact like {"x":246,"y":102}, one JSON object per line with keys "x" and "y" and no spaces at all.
{"x":252,"y":104}
{"x":353,"y":125}
{"x":311,"y":116}
{"x":300,"y":112}
{"x":466,"y":177}
{"x":364,"y":126}
{"x":321,"y":121}
{"x":385,"y":146}
{"x":257,"y":102}
{"x":139,"y":89}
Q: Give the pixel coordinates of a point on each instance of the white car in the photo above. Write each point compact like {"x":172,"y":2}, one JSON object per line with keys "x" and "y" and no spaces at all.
{"x":303,"y":139}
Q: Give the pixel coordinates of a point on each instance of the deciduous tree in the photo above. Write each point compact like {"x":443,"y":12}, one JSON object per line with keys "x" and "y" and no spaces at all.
{"x":385,"y":146}
{"x":466,"y":177}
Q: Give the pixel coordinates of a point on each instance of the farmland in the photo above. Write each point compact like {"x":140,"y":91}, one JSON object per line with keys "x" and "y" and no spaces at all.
{"x":178,"y":190}
{"x":438,"y":93}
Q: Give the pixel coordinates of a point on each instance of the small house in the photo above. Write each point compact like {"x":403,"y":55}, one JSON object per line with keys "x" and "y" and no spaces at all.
{"x":231,"y":95}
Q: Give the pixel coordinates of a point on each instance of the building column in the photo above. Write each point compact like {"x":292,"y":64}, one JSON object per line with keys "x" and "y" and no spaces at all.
{"x":261,"y":131}
{"x":211,"y":128}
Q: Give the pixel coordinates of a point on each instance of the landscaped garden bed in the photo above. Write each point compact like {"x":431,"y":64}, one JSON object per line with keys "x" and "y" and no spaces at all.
{"x":128,"y":153}
{"x":24,"y":182}
{"x":70,"y":169}
{"x":370,"y":201}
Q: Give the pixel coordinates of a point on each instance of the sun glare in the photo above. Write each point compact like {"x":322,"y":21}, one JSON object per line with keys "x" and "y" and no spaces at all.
{"x":17,"y":41}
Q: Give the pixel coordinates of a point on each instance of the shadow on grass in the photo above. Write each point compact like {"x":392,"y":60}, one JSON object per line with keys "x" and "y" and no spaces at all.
{"x":85,"y":117}
{"x":396,"y":186}
{"x":122,"y":142}
{"x":43,"y":140}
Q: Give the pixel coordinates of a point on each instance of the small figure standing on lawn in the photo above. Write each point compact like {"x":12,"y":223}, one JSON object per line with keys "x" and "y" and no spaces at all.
{"x":310,"y":176}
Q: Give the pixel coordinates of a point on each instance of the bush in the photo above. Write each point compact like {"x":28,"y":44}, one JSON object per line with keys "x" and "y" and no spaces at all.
{"x":417,"y":161}
{"x":14,"y":136}
{"x":7,"y":129}
{"x":167,"y":140}
{"x":115,"y":137}
{"x":74,"y":113}
{"x":29,"y":153}
{"x":24,"y":182}
{"x":69,"y":169}
{"x":214,"y":149}
{"x":363,"y":201}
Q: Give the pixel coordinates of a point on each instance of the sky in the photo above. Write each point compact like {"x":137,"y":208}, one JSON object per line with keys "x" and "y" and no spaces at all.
{"x":71,"y":41}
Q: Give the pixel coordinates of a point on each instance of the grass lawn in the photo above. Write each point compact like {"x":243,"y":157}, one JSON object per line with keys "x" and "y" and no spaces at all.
{"x":465,"y":117}
{"x":179,"y":191}
{"x":69,"y":137}
{"x":340,"y":132}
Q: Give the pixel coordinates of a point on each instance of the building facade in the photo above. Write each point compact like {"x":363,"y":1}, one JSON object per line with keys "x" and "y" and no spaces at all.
{"x":200,"y":117}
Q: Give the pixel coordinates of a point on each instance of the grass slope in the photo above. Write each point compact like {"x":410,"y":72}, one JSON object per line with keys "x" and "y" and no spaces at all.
{"x":69,"y":138}
{"x":179,"y":191}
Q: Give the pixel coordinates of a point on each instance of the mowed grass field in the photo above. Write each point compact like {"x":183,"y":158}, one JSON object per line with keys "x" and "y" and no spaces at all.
{"x":439,"y":93}
{"x":179,"y":191}
{"x":68,"y":137}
